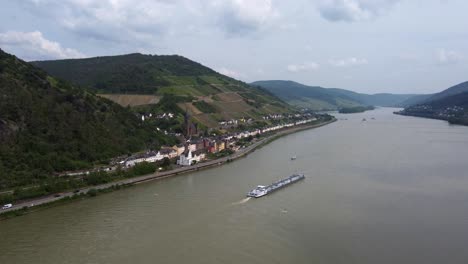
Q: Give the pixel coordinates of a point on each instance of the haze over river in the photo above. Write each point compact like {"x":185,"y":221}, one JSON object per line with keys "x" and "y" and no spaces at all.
{"x":393,"y":189}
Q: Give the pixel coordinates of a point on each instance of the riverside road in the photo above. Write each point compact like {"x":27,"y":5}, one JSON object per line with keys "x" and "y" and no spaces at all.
{"x":160,"y":175}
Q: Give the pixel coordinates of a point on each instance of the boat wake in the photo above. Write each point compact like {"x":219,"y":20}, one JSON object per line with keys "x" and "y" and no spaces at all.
{"x":243,"y":201}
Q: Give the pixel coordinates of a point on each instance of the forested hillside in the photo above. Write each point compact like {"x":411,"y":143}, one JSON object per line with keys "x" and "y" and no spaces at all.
{"x":48,"y":126}
{"x":453,"y":108}
{"x":450,"y":104}
{"x":209,"y":97}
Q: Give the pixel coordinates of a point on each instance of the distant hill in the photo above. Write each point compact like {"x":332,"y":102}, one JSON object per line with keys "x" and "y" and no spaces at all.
{"x":427,"y":98}
{"x":313,"y":97}
{"x":319,"y":98}
{"x":380,"y":99}
{"x":48,"y":126}
{"x":138,"y":74}
{"x":459,"y":100}
{"x":456,"y":89}
{"x":415,"y":100}
{"x":450,"y":104}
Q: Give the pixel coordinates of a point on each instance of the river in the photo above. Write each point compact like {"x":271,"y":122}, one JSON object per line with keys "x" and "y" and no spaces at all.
{"x":392,"y":189}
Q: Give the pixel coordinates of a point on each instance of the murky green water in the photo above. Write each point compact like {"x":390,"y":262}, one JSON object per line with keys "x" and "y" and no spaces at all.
{"x":389,"y":190}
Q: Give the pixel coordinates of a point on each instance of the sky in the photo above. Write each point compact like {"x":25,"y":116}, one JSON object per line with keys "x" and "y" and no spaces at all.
{"x":369,"y":46}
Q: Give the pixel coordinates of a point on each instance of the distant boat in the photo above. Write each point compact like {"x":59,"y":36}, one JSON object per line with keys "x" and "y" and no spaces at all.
{"x":364,"y":119}
{"x":293,"y":157}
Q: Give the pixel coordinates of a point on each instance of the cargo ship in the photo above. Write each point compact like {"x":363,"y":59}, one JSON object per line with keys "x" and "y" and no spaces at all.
{"x":262,"y":190}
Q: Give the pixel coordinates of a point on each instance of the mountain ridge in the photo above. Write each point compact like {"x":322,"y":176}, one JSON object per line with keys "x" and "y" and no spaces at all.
{"x":320,"y":98}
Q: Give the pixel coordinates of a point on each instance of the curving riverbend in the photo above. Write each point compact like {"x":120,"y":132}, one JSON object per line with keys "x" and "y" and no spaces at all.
{"x":392,"y":189}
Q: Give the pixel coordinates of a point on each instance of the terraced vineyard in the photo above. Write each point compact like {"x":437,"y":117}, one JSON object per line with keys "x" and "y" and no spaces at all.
{"x":136,"y":80}
{"x":132,"y":99}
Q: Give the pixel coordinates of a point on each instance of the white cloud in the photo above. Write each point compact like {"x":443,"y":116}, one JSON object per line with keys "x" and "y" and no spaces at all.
{"x":353,"y":10}
{"x":231,"y":73}
{"x":147,"y":21}
{"x":260,"y":71}
{"x":448,"y":56}
{"x":33,"y":45}
{"x":409,"y":57}
{"x":244,"y":16}
{"x":308,"y":66}
{"x":114,"y":20}
{"x":348,"y":62}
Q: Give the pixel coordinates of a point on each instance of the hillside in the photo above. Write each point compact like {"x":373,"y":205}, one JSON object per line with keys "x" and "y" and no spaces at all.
{"x":450,"y":104}
{"x":314,"y":97}
{"x":138,"y":74}
{"x":48,"y":126}
{"x":415,"y":100}
{"x":427,"y":98}
{"x":319,"y":98}
{"x":380,"y":99}
{"x":456,"y":89}
{"x":458,"y":100}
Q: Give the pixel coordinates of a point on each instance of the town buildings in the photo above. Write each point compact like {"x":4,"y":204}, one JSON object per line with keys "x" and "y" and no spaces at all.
{"x":194,"y":150}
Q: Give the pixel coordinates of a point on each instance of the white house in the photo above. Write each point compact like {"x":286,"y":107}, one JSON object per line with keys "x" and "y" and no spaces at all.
{"x":188,"y":158}
{"x":148,"y":157}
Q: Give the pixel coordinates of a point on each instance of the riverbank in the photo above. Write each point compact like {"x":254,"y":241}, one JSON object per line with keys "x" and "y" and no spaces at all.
{"x":51,"y":200}
{"x":452,"y":120}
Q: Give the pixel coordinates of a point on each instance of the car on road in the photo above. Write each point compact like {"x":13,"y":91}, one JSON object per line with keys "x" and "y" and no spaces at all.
{"x":7,"y":206}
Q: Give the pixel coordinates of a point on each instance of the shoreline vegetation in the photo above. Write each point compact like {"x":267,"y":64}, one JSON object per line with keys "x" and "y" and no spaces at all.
{"x":355,"y":109}
{"x":123,"y":181}
{"x":454,"y":120}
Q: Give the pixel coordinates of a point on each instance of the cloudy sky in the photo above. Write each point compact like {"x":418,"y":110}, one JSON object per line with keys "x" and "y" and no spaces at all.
{"x":399,"y":46}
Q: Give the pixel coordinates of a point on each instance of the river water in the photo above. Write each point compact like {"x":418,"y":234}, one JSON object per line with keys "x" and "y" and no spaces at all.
{"x":392,"y":189}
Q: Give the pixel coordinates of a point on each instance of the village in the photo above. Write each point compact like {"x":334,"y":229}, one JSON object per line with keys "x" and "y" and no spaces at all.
{"x":450,"y":113}
{"x":197,"y":149}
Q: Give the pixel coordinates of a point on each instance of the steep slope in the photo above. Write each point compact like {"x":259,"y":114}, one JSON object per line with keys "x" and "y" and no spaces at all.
{"x":415,"y":100}
{"x":450,"y":104}
{"x":313,"y":97}
{"x":427,"y":98}
{"x":456,"y":89}
{"x":138,"y":74}
{"x":455,"y":100}
{"x":47,"y":126}
{"x":320,"y":98}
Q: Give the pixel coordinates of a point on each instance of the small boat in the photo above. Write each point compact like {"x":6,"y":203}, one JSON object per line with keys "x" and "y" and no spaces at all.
{"x":364,"y":119}
{"x":293,"y":157}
